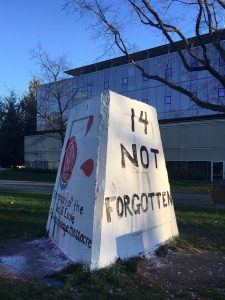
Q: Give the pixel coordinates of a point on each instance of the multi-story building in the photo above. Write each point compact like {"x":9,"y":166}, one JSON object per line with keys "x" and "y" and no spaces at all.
{"x":193,"y":137}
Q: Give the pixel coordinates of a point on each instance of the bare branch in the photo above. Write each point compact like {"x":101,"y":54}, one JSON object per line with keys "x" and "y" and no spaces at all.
{"x":149,"y":14}
{"x":195,"y":99}
{"x":221,"y":2}
{"x":166,"y":28}
{"x":59,"y":94}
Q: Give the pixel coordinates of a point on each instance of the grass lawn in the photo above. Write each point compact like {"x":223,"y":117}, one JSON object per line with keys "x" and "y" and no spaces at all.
{"x":27,"y":176}
{"x":25,"y":214}
{"x":190,"y":185}
{"x":200,"y":228}
{"x":118,"y":282}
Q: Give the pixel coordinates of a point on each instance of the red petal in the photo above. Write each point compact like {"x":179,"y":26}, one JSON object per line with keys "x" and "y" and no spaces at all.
{"x":87,"y":167}
{"x":89,"y":124}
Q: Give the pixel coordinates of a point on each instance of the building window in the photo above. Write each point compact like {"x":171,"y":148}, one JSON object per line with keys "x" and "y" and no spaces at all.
{"x":144,"y":78}
{"x":89,"y":90}
{"x":194,"y":74}
{"x":106,"y":84}
{"x":124,"y":81}
{"x":194,"y":63}
{"x":221,"y":62}
{"x":167,"y":99}
{"x":168,"y":72}
{"x":221,"y":92}
{"x":145,"y":100}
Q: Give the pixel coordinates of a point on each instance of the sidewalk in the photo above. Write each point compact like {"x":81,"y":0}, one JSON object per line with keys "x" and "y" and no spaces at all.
{"x":29,"y":186}
{"x":195,"y":199}
{"x":199,"y":199}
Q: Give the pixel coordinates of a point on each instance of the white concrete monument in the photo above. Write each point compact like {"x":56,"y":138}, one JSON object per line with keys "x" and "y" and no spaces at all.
{"x":112,"y":196}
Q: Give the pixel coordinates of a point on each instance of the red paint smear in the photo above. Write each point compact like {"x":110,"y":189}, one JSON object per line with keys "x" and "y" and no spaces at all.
{"x":89,"y":124}
{"x":87,"y":167}
{"x":69,"y":160}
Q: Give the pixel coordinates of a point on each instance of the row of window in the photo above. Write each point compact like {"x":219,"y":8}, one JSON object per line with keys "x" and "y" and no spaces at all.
{"x":221,"y":91}
{"x":168,"y":74}
{"x":168,"y":99}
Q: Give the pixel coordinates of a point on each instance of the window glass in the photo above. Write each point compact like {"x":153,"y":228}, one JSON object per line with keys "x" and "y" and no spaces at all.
{"x":221,"y":62}
{"x":144,"y":78}
{"x":221,"y":92}
{"x":168,"y":72}
{"x":167,"y":99}
{"x":124,"y":81}
{"x":106,"y":84}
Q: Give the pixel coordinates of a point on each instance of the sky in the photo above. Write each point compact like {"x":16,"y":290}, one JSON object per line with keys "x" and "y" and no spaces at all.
{"x":26,"y":23}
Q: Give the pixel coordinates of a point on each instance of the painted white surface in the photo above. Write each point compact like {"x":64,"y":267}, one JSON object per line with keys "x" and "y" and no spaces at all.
{"x":70,"y":222}
{"x":127,"y":208}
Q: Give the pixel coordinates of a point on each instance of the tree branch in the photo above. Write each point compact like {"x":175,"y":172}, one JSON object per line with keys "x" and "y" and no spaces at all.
{"x":195,"y":99}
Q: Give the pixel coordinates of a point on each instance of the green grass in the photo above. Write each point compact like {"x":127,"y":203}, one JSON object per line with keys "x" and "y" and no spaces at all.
{"x":190,"y":185}
{"x":27,"y":176}
{"x":116,"y":282}
{"x":11,"y":289}
{"x":25,"y":214}
{"x":120,"y":281}
{"x":201,"y":227}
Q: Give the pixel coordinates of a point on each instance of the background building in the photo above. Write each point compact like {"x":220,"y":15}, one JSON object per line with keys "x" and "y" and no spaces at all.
{"x":193,"y":137}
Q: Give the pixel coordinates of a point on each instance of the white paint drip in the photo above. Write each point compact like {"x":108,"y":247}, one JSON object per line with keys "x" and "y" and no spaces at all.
{"x":37,"y":258}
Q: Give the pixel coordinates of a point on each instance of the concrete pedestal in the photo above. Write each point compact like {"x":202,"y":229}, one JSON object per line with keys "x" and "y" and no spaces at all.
{"x":112,"y":196}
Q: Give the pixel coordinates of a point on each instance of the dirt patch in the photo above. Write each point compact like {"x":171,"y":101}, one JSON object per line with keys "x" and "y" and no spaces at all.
{"x":183,"y":274}
{"x":187,"y":273}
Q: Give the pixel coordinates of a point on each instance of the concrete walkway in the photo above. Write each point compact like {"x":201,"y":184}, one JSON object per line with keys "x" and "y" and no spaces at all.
{"x":30,"y":186}
{"x":184,"y":198}
{"x":196,"y":199}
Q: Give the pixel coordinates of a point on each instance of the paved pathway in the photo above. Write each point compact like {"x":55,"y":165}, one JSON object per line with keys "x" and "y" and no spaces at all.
{"x":185,"y":198}
{"x":196,"y":198}
{"x":31,"y":186}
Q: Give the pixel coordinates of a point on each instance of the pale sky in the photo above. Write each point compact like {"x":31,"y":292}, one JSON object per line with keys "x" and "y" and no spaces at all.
{"x":25,"y":23}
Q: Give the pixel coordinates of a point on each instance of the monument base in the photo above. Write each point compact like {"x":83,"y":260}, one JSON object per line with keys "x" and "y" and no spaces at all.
{"x":112,"y":196}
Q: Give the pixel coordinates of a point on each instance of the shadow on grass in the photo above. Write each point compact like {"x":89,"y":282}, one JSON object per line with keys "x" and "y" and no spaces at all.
{"x":23,"y":213}
{"x":203,"y":228}
{"x":119,"y":281}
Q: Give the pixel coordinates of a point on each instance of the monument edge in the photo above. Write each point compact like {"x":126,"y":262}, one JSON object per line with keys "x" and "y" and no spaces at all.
{"x":100,"y":179}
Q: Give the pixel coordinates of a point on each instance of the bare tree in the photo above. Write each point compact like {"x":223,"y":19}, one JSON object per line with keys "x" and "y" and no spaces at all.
{"x":55,"y":96}
{"x":163,"y":17}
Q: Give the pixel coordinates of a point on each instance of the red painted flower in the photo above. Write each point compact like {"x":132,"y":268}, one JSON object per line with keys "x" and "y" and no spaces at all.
{"x":69,"y":160}
{"x":87,"y":167}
